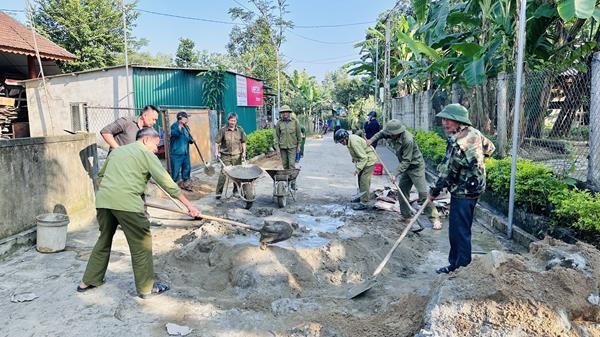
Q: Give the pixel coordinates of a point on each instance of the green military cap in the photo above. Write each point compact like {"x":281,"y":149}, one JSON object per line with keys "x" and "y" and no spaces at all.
{"x":455,"y":112}
{"x":394,"y":127}
{"x":285,"y":108}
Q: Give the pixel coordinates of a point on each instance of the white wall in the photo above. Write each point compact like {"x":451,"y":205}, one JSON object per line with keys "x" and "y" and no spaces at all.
{"x":50,"y":108}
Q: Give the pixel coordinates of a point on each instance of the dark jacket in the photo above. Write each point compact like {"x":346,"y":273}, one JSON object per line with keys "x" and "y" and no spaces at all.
{"x":180,"y":140}
{"x":371,"y":128}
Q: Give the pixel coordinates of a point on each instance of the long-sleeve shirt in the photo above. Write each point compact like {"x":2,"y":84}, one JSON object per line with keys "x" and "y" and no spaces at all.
{"x":362,"y":154}
{"x":180,"y":140}
{"x":463,"y":169}
{"x":405,"y":148}
{"x":124,"y":176}
{"x":287,"y":134}
{"x":371,"y":128}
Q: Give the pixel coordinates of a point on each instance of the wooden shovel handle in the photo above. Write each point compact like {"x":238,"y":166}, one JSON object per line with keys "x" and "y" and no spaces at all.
{"x":204,"y":216}
{"x":404,"y":232}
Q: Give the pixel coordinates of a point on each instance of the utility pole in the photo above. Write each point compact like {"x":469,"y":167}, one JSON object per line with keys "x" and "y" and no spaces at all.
{"x":126,"y":53}
{"x":386,"y":84}
{"x":376,"y":71}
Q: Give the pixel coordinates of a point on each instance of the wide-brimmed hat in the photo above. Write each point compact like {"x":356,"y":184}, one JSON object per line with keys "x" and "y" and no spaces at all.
{"x":285,"y":108}
{"x":394,"y":127}
{"x":455,"y":112}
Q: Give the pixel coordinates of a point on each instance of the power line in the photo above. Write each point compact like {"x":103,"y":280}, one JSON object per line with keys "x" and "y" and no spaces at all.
{"x":187,"y":17}
{"x":327,"y":59}
{"x":337,"y":25}
{"x":320,"y":41}
{"x":12,"y":10}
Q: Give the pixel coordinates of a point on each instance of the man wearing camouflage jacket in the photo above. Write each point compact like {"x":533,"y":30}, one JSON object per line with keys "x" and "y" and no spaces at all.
{"x":411,"y":170}
{"x":462,"y":172}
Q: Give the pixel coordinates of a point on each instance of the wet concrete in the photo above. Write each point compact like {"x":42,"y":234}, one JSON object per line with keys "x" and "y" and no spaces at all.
{"x":224,"y":285}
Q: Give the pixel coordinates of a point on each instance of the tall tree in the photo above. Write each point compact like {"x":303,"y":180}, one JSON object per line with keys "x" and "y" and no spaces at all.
{"x":90,"y":29}
{"x":256,"y":44}
{"x":186,"y":57}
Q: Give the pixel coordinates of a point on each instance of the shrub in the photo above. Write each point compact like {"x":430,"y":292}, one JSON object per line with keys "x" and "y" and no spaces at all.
{"x":534,"y":184}
{"x":432,"y":146}
{"x":576,"y":208}
{"x":259,"y":142}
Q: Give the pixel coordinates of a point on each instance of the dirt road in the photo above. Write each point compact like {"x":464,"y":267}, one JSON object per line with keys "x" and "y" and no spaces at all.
{"x":224,"y":285}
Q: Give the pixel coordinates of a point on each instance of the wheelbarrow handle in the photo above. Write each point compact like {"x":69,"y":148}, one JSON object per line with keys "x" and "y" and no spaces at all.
{"x":205,"y":217}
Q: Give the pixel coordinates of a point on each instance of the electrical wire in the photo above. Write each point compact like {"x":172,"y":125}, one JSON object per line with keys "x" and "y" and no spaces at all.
{"x":321,"y":41}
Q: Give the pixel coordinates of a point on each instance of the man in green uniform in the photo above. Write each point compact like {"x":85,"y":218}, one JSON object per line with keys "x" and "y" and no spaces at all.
{"x":364,"y":158}
{"x":288,"y":137}
{"x":462,"y":172}
{"x":230,"y":146}
{"x":119,"y":201}
{"x":411,"y":170}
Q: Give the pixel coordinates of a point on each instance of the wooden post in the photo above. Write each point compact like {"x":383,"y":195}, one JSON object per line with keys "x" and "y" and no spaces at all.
{"x":31,"y":67}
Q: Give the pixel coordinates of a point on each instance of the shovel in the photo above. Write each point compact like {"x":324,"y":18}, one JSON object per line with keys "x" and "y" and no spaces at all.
{"x":395,"y":185}
{"x":208,"y":168}
{"x":269,"y":233}
{"x":372,"y":280}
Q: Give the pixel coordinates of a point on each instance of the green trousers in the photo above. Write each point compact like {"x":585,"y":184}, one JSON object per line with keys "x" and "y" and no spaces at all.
{"x":136,"y":228}
{"x":288,"y":158}
{"x":415,"y":176}
{"x":227,"y":160}
{"x":364,"y":183}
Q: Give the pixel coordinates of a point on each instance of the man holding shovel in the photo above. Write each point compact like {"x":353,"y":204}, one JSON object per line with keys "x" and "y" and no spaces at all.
{"x":462,"y":172}
{"x":364,"y":158}
{"x":179,"y":150}
{"x":123,"y":179}
{"x":411,"y":170}
{"x":230,"y":146}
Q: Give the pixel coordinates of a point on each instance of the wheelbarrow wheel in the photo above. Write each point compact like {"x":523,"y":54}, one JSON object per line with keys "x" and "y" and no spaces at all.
{"x":281,"y":201}
{"x":248,"y":194}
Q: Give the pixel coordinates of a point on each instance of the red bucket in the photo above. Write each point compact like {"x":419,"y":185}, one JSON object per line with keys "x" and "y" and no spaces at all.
{"x":378,"y":169}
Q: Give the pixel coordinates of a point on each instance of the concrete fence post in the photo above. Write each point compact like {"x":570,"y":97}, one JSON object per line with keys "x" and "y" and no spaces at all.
{"x":427,"y":106}
{"x":593,"y":175}
{"x":455,"y":93}
{"x":502,"y":114}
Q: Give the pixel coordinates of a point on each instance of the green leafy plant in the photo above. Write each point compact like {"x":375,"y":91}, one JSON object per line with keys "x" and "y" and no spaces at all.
{"x":576,"y":208}
{"x":213,"y":87}
{"x":259,"y":142}
{"x":534,"y":184}
{"x":432,"y":146}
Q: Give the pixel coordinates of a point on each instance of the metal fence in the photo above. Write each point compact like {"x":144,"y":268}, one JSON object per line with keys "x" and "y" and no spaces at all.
{"x":97,"y":117}
{"x":554,"y":124}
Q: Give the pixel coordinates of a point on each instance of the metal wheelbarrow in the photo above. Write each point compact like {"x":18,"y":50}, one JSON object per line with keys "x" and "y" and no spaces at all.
{"x":243,"y":178}
{"x":283,"y":180}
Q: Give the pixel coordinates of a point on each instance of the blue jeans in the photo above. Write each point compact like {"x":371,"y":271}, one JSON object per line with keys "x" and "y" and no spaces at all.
{"x":459,"y":232}
{"x":180,"y":163}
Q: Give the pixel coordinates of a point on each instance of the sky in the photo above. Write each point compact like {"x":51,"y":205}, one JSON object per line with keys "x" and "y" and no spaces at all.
{"x":333,"y":46}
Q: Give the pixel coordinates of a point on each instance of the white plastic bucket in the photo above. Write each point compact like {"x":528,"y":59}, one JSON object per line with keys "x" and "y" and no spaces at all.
{"x":51,"y":232}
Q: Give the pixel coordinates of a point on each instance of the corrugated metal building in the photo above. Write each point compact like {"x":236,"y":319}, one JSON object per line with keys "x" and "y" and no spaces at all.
{"x":62,"y":105}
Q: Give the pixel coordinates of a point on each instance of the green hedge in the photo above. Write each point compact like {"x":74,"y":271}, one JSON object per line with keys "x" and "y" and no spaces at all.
{"x":535,"y":183}
{"x":537,"y":189}
{"x":432,"y":146}
{"x":259,"y":142}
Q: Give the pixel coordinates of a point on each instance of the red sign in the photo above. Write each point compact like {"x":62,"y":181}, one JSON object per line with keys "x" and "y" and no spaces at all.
{"x":254,"y":92}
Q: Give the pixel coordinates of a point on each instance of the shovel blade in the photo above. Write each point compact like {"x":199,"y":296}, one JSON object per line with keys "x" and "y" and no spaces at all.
{"x":209,"y":169}
{"x":275,"y":232}
{"x":362,"y":288}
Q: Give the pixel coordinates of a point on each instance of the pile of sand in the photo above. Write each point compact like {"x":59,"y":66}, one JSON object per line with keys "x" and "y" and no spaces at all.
{"x":552,"y":291}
